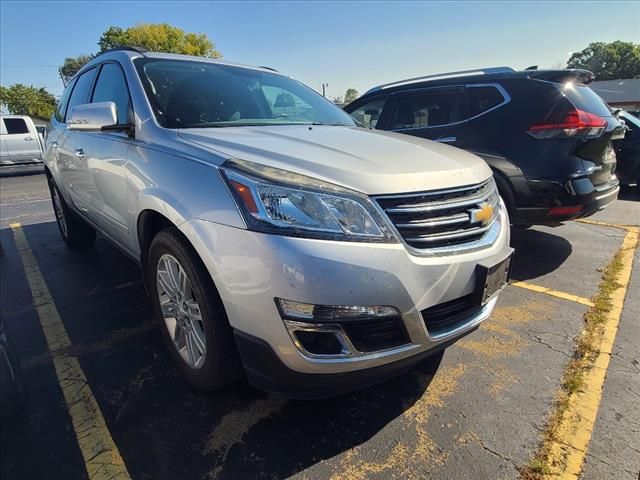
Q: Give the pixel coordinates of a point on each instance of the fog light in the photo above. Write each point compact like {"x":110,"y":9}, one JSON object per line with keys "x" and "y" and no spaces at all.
{"x":331,"y":313}
{"x":342,"y":330}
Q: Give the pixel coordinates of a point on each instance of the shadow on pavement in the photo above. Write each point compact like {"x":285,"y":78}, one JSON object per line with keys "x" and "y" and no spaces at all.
{"x":163,"y":428}
{"x":537,"y":253}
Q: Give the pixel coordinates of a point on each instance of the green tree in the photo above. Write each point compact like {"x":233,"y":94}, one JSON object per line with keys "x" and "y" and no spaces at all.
{"x":113,"y":37}
{"x":159,"y":37}
{"x":32,"y":101}
{"x":155,"y":37}
{"x":350,"y":95}
{"x":71,"y":66}
{"x":609,"y":61}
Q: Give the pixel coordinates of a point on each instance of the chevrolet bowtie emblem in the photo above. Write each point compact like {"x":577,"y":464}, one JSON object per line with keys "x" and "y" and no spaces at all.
{"x":483,"y":214}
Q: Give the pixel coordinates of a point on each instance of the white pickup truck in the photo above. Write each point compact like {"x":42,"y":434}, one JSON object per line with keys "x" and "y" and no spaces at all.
{"x":20,"y":141}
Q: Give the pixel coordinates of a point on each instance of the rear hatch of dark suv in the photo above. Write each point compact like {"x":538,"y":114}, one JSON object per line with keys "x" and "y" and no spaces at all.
{"x":579,"y":113}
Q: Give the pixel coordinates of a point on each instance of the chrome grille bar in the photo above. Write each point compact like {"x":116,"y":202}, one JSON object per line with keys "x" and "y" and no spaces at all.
{"x":449,"y":235}
{"x":443,"y":218}
{"x":437,"y":221}
{"x":461,"y":201}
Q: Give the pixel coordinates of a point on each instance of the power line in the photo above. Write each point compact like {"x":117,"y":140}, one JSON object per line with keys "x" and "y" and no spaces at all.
{"x":28,"y":66}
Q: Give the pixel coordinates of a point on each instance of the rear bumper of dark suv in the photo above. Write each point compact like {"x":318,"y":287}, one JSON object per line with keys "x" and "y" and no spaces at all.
{"x":577,"y":198}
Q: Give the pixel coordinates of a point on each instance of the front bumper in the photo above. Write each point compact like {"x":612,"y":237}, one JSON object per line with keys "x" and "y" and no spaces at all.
{"x":267,"y":372}
{"x":250,"y":269}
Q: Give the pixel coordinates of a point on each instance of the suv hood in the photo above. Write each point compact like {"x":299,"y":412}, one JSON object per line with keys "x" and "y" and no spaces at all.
{"x":369,"y":161}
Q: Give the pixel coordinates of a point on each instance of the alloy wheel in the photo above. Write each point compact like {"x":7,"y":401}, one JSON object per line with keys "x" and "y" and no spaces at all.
{"x":59,"y":211}
{"x":180,"y":311}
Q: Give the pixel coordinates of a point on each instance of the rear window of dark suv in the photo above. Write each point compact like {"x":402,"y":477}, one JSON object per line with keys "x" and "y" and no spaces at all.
{"x":584,"y":98}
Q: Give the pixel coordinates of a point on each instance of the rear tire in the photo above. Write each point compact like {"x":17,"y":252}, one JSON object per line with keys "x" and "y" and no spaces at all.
{"x":76,"y":233}
{"x":192,"y":317}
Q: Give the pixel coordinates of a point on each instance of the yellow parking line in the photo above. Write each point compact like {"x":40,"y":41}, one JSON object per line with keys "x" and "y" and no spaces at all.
{"x":101,"y":456}
{"x":572,"y":439}
{"x":554,"y":293}
{"x":605,"y":224}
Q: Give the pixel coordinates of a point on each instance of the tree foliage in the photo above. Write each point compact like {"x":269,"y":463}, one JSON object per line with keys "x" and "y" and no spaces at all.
{"x":35,"y":102}
{"x":609,"y":61}
{"x":159,"y":37}
{"x":350,"y":95}
{"x":71,"y":66}
{"x":155,"y":37}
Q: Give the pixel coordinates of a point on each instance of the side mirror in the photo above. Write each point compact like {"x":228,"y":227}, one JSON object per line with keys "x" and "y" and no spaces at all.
{"x":92,"y":116}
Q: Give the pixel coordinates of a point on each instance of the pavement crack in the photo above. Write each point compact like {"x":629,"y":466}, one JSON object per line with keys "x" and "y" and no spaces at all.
{"x":551,"y":347}
{"x":495,"y":453}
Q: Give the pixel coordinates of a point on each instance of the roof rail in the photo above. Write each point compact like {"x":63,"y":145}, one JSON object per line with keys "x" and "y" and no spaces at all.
{"x":268,"y":68}
{"x":438,"y":76}
{"x":129,"y":48}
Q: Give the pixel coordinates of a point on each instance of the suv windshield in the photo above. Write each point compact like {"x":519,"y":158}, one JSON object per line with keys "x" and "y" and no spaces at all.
{"x":192,"y":94}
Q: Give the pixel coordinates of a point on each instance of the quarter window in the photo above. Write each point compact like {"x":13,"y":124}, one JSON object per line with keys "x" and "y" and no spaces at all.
{"x":482,"y":99}
{"x":369,"y":113}
{"x":430,"y":110}
{"x":15,"y":126}
{"x":80,"y":94}
{"x":111,"y":86}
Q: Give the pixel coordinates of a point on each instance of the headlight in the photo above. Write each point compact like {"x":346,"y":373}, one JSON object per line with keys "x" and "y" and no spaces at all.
{"x":285,"y":203}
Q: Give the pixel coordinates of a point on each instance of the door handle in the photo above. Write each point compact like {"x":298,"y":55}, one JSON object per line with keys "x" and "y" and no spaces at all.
{"x":28,"y":139}
{"x":79,"y":153}
{"x":447,"y":139}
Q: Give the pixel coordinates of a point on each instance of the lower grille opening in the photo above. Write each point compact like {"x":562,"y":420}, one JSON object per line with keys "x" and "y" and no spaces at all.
{"x":447,"y":316}
{"x":319,"y":343}
{"x":376,"y":334}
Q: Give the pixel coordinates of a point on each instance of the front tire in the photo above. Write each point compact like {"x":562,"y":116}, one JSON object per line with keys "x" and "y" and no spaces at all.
{"x":76,"y":233}
{"x":193,"y":320}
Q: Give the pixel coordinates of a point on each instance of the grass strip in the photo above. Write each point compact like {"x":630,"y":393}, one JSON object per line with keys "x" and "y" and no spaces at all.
{"x":581,"y":362}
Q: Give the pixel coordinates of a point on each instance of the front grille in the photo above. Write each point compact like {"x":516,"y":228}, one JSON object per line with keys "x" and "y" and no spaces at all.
{"x":447,"y":316}
{"x":442,"y":218}
{"x":378,"y":334}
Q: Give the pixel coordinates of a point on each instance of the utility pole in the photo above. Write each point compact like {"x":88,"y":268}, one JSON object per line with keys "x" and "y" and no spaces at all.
{"x":324,"y":86}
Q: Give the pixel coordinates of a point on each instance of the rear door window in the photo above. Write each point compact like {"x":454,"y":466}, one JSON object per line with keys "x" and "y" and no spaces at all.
{"x":369,"y":113}
{"x":432,"y":109}
{"x":15,"y":126}
{"x":483,"y":98}
{"x":111,"y":86}
{"x":80,"y":94}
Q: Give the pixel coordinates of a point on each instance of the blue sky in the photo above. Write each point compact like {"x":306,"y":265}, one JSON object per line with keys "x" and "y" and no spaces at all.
{"x":357,"y":44}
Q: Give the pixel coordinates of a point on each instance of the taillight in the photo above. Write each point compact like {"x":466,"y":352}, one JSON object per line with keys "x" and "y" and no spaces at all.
{"x":574,"y":123}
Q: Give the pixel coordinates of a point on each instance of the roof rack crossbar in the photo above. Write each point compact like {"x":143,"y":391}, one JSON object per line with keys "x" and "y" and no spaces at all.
{"x":484,"y":71}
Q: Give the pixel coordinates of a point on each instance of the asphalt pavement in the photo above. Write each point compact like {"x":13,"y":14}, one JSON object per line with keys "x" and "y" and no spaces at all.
{"x":476,"y":412}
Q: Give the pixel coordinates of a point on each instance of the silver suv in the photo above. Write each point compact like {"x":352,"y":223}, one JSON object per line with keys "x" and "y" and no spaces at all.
{"x":274,"y":235}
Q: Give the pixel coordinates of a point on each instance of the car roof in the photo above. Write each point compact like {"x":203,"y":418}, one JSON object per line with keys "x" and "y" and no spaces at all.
{"x":131,"y":53}
{"x":478,"y":75}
